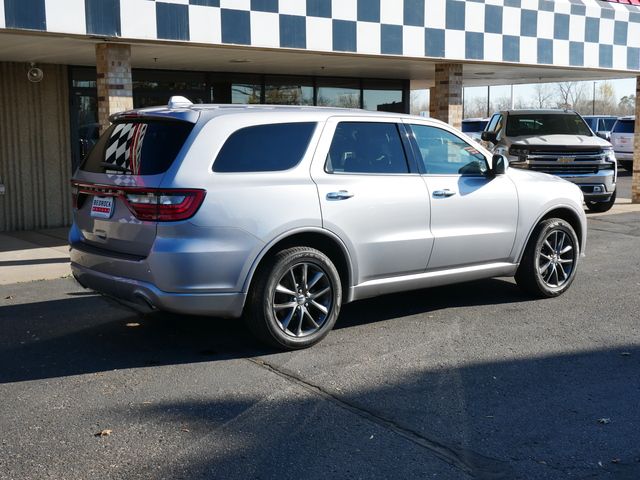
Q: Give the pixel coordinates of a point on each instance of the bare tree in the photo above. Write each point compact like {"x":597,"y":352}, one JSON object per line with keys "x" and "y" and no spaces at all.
{"x":543,"y":95}
{"x":475,"y":107}
{"x":571,"y":94}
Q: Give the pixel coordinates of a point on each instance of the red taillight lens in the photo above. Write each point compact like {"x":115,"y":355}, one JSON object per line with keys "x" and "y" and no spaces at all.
{"x":148,"y":204}
{"x":165,"y":205}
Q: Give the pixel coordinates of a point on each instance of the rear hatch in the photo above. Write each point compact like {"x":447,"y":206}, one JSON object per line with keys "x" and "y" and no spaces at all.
{"x":622,"y":135}
{"x":117,"y":197}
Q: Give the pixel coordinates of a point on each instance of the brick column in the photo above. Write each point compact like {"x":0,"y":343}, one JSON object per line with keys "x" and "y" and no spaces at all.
{"x":115,"y":90}
{"x":447,"y":94}
{"x":635,"y":181}
{"x":432,"y":102}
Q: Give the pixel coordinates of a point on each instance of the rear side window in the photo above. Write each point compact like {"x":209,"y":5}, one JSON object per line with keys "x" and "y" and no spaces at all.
{"x":624,"y":126}
{"x":137,"y":148}
{"x":265,"y":148}
{"x":366,"y":147}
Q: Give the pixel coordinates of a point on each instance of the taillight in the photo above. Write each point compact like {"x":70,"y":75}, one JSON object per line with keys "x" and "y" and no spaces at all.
{"x":165,"y":205}
{"x":149,"y":204}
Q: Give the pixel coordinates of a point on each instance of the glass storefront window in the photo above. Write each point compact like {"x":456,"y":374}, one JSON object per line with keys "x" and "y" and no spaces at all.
{"x":288,"y":91}
{"x":383,"y":100}
{"x":156,"y":87}
{"x":245,"y":93}
{"x":338,"y":93}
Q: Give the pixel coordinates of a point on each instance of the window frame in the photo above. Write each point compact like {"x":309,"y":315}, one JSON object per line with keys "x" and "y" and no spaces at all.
{"x":403,"y":134}
{"x":420,"y":161}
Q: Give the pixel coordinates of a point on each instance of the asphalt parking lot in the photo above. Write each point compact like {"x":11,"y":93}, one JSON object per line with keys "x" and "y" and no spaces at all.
{"x":466,"y":381}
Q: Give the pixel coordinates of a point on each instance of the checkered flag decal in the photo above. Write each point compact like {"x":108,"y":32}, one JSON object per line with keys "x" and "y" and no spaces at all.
{"x":125,"y":146}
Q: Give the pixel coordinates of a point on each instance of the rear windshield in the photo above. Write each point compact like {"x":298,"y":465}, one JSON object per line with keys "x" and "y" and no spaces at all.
{"x":546,"y":124}
{"x":624,"y":126}
{"x":473,"y":126}
{"x":137,"y":148}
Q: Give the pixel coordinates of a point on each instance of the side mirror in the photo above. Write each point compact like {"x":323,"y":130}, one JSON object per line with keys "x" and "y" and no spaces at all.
{"x":499,"y":165}
{"x":489,"y":137}
{"x":603,"y":135}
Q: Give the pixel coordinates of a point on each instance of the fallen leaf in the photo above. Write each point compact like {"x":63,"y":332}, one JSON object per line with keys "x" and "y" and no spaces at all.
{"x":542,"y":462}
{"x":615,"y":460}
{"x":9,"y":297}
{"x":185,"y":430}
{"x":625,"y":354}
{"x":600,"y":464}
{"x":371,"y":437}
{"x":604,"y":421}
{"x":103,"y":433}
{"x":133,"y":324}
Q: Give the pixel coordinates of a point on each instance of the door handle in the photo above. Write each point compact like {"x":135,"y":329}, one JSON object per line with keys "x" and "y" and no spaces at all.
{"x":443,"y":193}
{"x":339,"y":195}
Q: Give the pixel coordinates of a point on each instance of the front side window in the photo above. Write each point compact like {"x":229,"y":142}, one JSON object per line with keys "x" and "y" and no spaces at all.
{"x":265,"y":148}
{"x":546,"y":124}
{"x":366,"y":147}
{"x":443,"y":153}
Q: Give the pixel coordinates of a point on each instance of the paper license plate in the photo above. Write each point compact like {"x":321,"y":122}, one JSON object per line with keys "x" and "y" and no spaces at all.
{"x":102,"y":207}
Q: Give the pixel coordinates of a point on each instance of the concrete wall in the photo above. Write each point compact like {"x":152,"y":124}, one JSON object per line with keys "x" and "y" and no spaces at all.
{"x":35,"y":157}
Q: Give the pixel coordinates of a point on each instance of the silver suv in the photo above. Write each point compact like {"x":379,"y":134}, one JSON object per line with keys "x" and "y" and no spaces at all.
{"x":557,"y":142}
{"x":283,"y":214}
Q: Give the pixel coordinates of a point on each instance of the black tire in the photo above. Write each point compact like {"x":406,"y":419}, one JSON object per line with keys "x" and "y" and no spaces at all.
{"x":529,"y":276}
{"x":599,"y":207}
{"x":292,"y":327}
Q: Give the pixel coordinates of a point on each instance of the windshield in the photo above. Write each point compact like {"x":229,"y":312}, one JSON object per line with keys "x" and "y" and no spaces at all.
{"x":546,"y":124}
{"x":477,"y":126}
{"x":624,"y":126}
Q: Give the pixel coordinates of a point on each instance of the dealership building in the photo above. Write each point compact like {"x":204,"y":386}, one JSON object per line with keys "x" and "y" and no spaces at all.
{"x":99,"y":57}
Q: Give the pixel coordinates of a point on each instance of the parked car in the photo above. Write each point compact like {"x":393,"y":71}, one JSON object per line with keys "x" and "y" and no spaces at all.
{"x":601,"y":125}
{"x":284,"y":214}
{"x":474,"y":127}
{"x":557,"y":142}
{"x":622,"y":137}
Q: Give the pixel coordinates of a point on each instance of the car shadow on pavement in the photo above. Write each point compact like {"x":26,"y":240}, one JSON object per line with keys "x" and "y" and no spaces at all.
{"x":567,"y":415}
{"x":89,"y":333}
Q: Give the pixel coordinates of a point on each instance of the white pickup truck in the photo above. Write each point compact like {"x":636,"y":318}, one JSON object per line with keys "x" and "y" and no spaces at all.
{"x":557,"y":142}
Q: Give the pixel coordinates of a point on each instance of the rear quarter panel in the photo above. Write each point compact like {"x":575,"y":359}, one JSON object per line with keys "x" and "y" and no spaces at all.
{"x":242,"y":212}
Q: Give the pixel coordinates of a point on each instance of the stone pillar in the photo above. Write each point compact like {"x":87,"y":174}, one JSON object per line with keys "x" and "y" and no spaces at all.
{"x":432,"y":102}
{"x":447,"y":94}
{"x":115,"y":89}
{"x":635,"y":181}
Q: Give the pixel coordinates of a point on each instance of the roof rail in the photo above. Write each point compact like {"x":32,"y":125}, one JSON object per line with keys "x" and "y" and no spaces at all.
{"x":178,"y":101}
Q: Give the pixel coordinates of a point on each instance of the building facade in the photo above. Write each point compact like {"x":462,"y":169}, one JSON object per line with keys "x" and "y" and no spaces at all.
{"x":103,"y":56}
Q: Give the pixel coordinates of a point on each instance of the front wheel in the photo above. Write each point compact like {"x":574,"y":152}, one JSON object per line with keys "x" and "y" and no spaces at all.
{"x":550,"y":260}
{"x":599,"y":207}
{"x":295,"y":299}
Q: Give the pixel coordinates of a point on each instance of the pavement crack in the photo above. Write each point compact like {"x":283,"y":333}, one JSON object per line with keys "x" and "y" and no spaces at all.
{"x":470,"y":462}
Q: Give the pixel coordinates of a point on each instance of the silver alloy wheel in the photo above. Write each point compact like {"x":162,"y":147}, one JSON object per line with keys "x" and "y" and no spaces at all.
{"x":302,"y":299}
{"x":556,"y":259}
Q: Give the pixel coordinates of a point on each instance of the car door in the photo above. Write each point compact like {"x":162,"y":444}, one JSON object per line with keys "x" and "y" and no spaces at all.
{"x":473,"y":214}
{"x":371,"y":198}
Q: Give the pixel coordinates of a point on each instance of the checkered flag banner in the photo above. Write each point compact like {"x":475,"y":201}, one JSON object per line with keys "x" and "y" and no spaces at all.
{"x":125,"y":146}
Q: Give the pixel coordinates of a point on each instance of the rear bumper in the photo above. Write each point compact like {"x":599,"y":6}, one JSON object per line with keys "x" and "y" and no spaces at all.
{"x":227,"y":305}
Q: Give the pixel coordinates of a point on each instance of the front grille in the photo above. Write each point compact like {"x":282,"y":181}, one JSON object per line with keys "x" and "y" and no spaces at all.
{"x":564,"y":168}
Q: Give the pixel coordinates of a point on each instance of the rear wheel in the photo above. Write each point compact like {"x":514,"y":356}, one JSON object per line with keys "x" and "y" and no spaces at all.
{"x":550,"y":260}
{"x":599,"y":207}
{"x":295,"y":299}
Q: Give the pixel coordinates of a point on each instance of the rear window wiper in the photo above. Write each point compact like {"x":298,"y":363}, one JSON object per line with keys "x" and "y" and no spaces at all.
{"x":113,"y":166}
